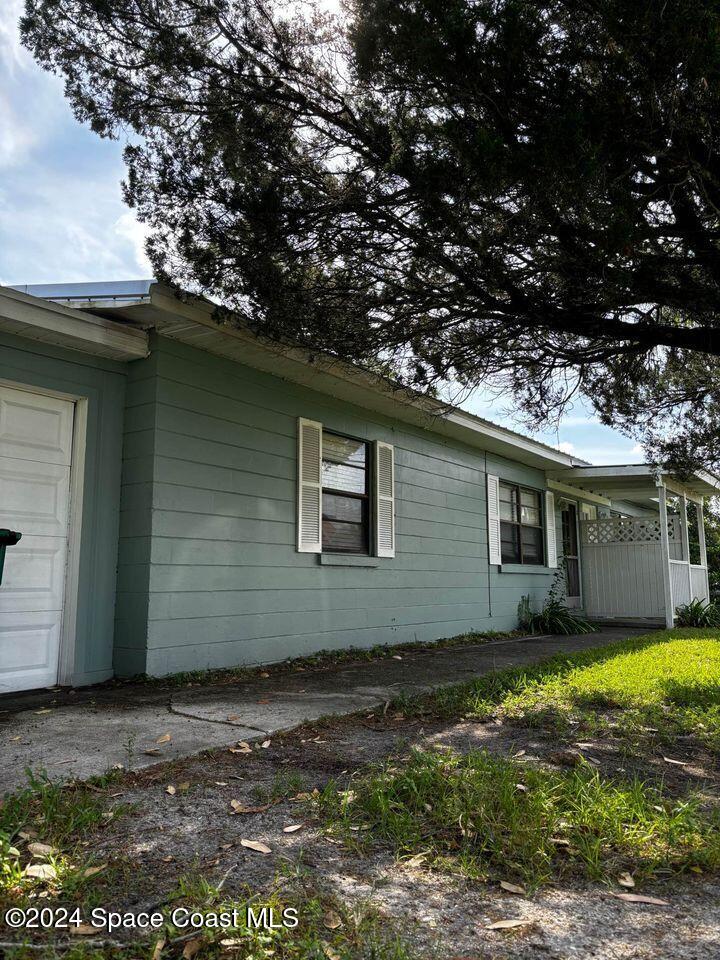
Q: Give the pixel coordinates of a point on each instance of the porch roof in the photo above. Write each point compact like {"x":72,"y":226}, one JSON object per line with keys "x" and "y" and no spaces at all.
{"x":636,"y":483}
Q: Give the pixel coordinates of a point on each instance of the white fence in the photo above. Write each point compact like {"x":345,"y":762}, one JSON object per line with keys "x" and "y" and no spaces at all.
{"x":689,"y":581}
{"x":623,"y":568}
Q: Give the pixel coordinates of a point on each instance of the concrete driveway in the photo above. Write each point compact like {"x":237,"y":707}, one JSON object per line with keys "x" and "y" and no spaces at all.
{"x":78,"y":734}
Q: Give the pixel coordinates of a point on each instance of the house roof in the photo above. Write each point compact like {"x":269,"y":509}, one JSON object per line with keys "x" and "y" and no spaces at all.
{"x":145,"y":304}
{"x":136,"y":306}
{"x":62,"y":326}
{"x":636,"y":483}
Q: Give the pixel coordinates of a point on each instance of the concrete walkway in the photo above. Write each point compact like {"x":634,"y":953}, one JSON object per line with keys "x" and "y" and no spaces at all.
{"x":71,"y":734}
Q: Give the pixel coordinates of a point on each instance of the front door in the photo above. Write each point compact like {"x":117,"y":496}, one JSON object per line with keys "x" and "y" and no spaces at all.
{"x":35,"y":454}
{"x":571,"y":553}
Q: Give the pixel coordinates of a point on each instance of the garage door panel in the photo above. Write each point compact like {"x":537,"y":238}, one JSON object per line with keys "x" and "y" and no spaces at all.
{"x":34,"y":497}
{"x":28,"y":651}
{"x":34,"y":577}
{"x":35,"y":427}
{"x":35,"y":455}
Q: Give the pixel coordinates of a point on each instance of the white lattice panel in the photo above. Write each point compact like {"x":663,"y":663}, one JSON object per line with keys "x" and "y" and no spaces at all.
{"x":627,"y":530}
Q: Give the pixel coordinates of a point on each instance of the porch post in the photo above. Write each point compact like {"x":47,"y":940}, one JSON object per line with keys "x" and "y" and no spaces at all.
{"x":701,"y":533}
{"x":701,"y":540}
{"x":665,"y":550}
{"x":685,"y":543}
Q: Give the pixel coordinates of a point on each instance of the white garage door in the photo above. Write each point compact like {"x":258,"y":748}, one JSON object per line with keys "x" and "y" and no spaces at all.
{"x":35,"y":454}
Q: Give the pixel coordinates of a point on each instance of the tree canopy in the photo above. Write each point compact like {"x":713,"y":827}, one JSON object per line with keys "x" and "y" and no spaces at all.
{"x":456,"y":189}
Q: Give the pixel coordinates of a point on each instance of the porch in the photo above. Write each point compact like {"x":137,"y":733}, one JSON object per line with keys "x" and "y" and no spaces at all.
{"x":646,"y":555}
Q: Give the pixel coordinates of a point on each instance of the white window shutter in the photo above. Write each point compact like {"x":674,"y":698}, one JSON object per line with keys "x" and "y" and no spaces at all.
{"x":384,"y":499}
{"x":309,"y":493}
{"x":493,"y":513}
{"x":550,"y":533}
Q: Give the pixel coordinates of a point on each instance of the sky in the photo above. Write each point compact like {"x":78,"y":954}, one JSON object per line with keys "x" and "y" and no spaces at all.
{"x":62,"y":219}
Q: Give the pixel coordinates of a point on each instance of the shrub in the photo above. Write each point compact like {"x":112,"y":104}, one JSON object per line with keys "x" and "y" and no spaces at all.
{"x":698,"y":613}
{"x":555,"y":616}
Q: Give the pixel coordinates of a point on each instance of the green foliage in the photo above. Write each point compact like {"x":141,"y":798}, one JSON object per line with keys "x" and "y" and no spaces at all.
{"x":59,"y":816}
{"x":555,"y":616}
{"x":509,"y":189}
{"x":667,"y":682}
{"x":697,"y":613}
{"x":466,"y":813}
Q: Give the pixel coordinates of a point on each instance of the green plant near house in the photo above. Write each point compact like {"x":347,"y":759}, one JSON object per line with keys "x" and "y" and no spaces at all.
{"x":555,"y":616}
{"x":698,"y":613}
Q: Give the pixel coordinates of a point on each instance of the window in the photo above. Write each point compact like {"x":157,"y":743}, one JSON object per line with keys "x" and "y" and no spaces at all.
{"x":521,"y":526}
{"x":345,"y":495}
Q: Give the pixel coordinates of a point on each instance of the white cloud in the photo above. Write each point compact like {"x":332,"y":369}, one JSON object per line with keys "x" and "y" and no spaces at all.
{"x":566,"y":447}
{"x":135,"y":234}
{"x":13,"y":56}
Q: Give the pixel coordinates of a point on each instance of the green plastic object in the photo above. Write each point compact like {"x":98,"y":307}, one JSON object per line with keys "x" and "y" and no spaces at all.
{"x":8,"y":538}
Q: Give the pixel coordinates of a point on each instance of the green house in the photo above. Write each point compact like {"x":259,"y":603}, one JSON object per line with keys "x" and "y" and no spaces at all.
{"x":190,"y":496}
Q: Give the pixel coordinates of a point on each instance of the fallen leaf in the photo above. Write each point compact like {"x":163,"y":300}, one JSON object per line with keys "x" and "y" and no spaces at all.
{"x":263,"y":701}
{"x":233,"y":717}
{"x":191,"y":948}
{"x":560,"y":841}
{"x":265,"y":744}
{"x":678,"y":763}
{"x":520,"y":753}
{"x":158,"y":949}
{"x":396,"y":656}
{"x":255,"y":845}
{"x":521,"y":787}
{"x":171,"y":790}
{"x":220,"y":783}
{"x":512,"y":888}
{"x":165,"y":738}
{"x":293,"y":828}
{"x":91,"y":871}
{"x":13,"y":739}
{"x":153,"y":752}
{"x":41,"y":871}
{"x":329,"y":951}
{"x":83,"y":930}
{"x":41,"y":849}
{"x":640,"y":898}
{"x":506,"y":924}
{"x":626,"y":880}
{"x":168,"y":859}
{"x":417,"y":860}
{"x":238,"y":807}
{"x":332,"y":920}
{"x":38,"y":712}
{"x":242,"y":747}
{"x":264,"y":674}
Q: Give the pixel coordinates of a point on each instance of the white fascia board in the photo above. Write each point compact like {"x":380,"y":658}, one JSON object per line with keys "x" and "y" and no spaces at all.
{"x":605,"y":472}
{"x":579,"y":493}
{"x":33,"y":318}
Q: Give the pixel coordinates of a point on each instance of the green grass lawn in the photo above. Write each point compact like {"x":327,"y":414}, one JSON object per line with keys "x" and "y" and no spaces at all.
{"x":491,"y":816}
{"x":666,"y":684}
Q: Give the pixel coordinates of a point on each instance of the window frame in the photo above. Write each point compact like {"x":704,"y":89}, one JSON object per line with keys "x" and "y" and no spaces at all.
{"x":365,"y":499}
{"x":518,"y":524}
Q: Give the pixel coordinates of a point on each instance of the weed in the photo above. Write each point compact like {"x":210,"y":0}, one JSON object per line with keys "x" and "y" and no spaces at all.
{"x":487,"y":816}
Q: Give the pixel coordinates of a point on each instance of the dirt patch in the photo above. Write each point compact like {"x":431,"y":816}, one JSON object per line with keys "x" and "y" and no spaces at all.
{"x":191,"y":831}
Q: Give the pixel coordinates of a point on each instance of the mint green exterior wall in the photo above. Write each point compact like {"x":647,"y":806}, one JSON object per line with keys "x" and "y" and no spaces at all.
{"x":208,"y":571}
{"x":33,"y":365}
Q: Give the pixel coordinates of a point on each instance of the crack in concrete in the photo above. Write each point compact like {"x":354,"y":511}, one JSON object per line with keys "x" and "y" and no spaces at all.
{"x":227,"y":723}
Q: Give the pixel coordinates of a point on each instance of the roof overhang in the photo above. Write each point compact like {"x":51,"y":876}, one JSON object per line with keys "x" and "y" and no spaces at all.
{"x":194,"y":321}
{"x":637,"y":483}
{"x":34,"y":319}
